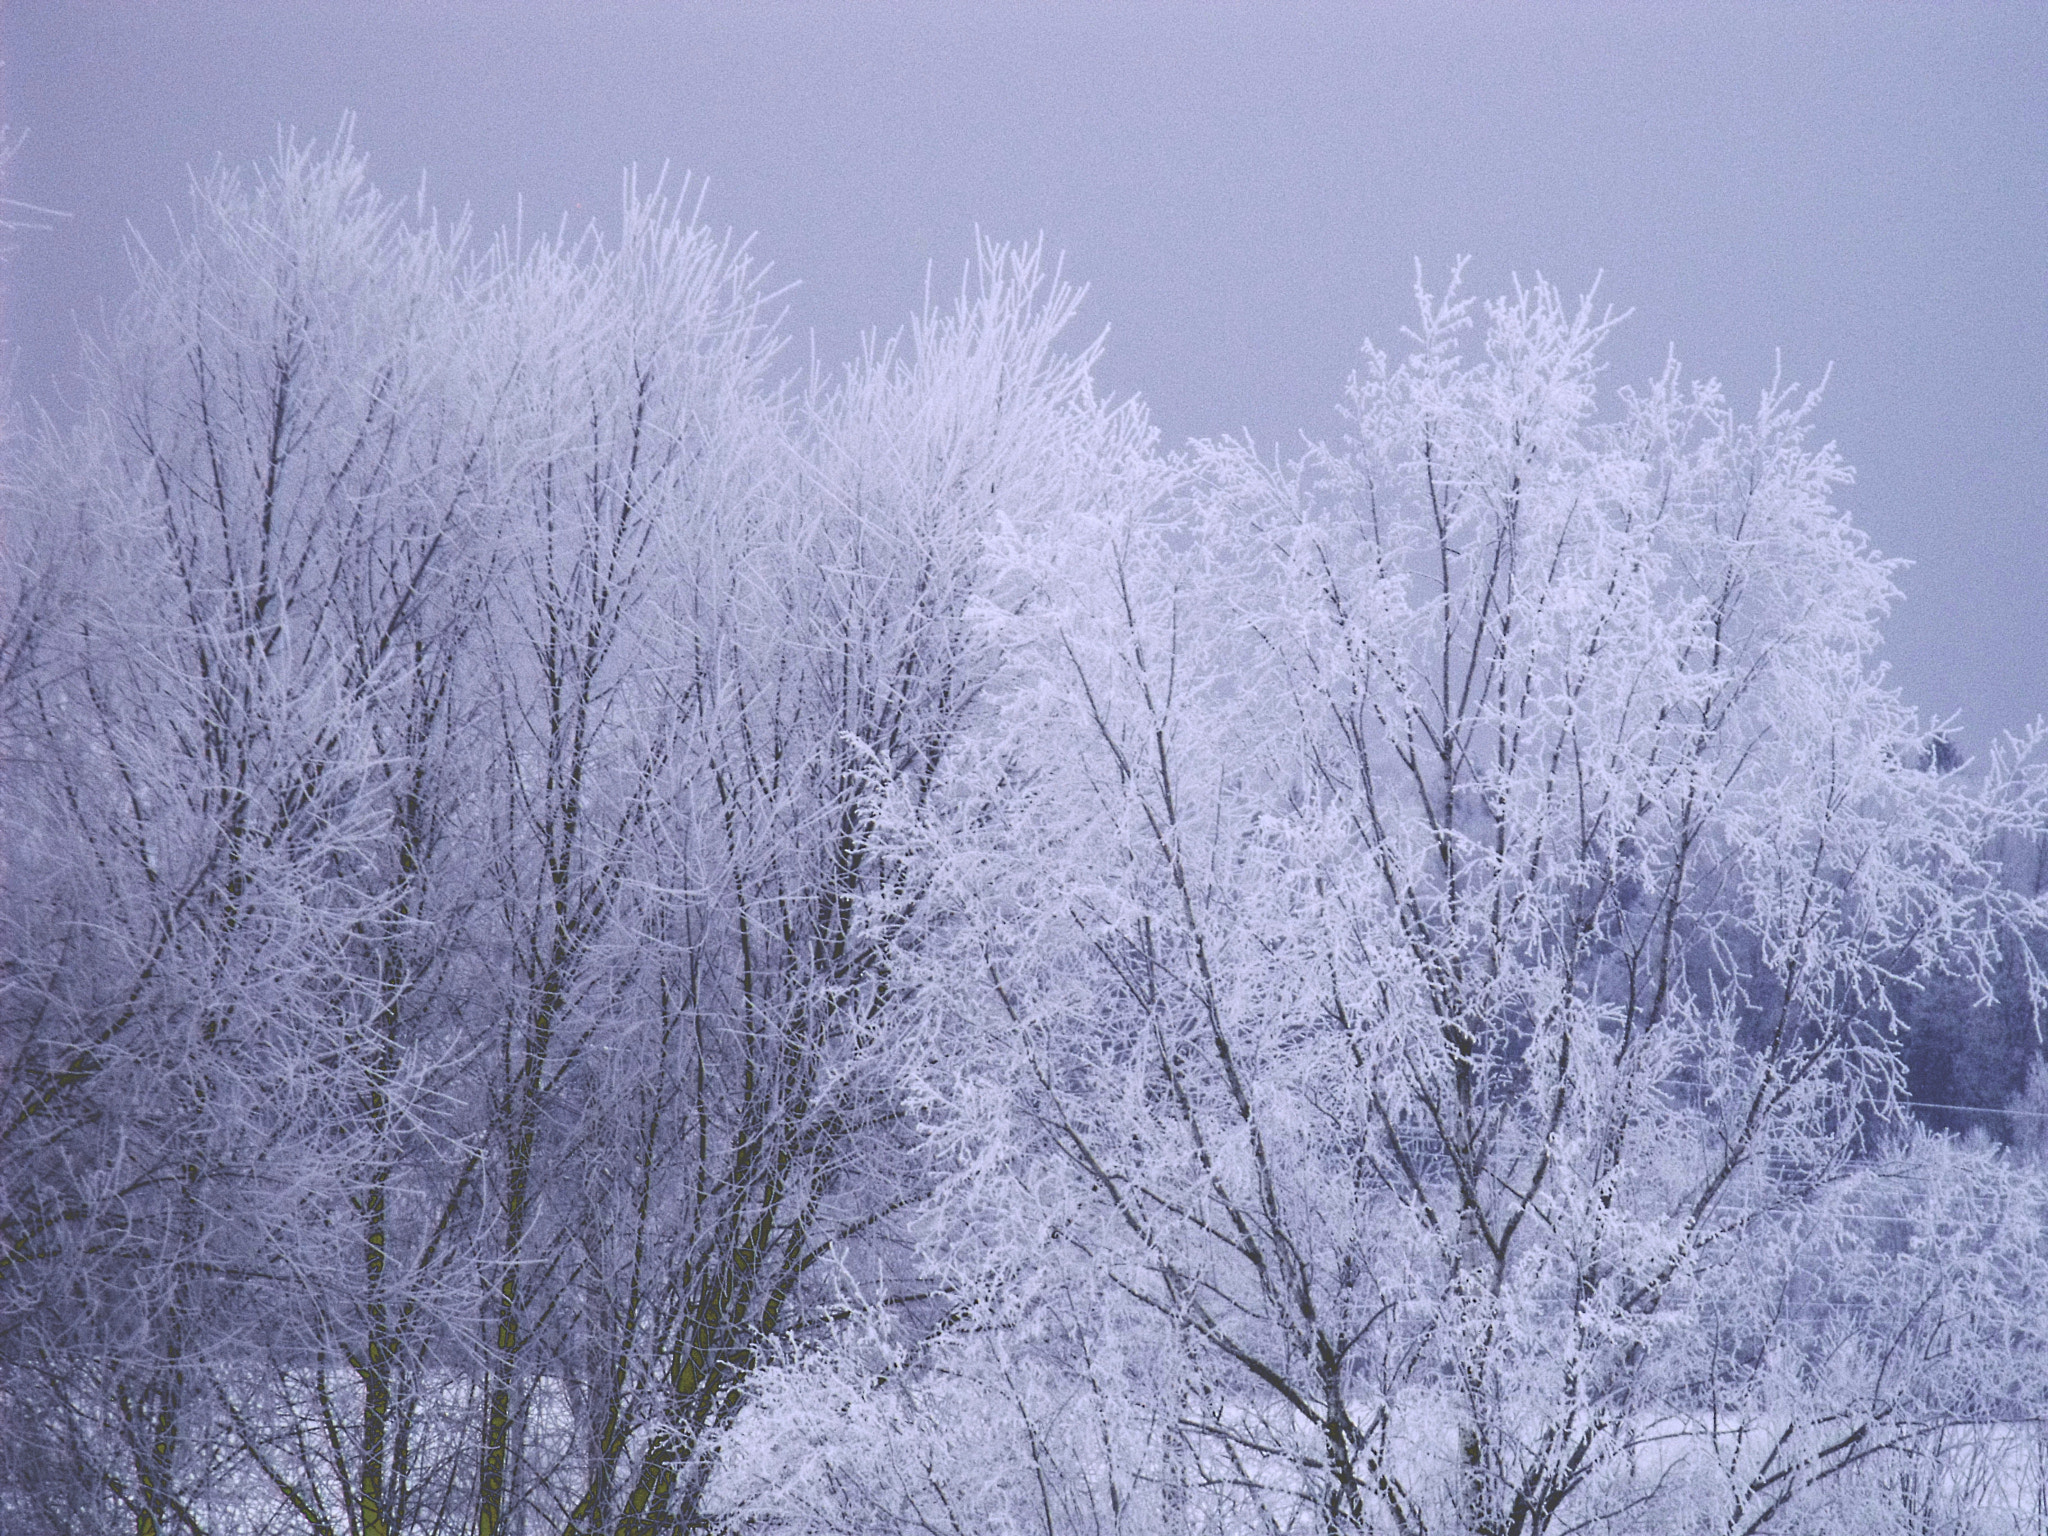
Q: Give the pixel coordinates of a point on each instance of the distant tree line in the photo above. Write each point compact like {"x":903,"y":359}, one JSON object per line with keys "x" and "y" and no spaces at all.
{"x":1974,"y":1055}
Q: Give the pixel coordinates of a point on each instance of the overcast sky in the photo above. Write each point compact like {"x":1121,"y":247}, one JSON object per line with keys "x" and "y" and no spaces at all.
{"x":1245,"y":188}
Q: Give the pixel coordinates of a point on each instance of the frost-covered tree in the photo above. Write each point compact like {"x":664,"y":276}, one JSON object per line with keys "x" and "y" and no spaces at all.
{"x":1414,"y":1046}
{"x":228,"y":582}
{"x":823,"y":636}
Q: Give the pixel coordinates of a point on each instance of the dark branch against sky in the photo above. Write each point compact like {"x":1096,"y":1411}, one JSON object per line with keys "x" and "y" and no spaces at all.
{"x":1246,"y":188}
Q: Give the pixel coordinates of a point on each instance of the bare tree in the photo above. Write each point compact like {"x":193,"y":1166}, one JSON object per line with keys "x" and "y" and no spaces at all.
{"x":831,"y":637}
{"x":260,"y":501}
{"x":1424,"y":973}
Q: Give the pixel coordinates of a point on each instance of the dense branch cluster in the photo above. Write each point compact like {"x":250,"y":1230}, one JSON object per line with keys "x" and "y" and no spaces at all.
{"x":596,"y":942}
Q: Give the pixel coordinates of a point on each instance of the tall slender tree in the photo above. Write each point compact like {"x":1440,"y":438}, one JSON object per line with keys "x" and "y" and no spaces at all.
{"x":258,"y":506}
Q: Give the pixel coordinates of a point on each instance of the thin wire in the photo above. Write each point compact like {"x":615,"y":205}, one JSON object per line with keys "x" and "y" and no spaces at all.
{"x":1977,"y":1109}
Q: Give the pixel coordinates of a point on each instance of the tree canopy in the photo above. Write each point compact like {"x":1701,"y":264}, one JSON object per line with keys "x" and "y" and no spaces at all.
{"x":598,"y":939}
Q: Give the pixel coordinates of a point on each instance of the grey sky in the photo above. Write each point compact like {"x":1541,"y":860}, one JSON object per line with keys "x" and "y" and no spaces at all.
{"x":1244,"y":187}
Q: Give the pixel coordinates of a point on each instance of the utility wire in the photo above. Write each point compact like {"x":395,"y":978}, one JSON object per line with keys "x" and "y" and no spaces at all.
{"x":1977,"y":1109}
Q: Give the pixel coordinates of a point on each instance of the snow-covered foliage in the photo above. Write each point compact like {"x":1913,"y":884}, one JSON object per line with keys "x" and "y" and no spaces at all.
{"x":597,"y":942}
{"x":1411,"y":1051}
